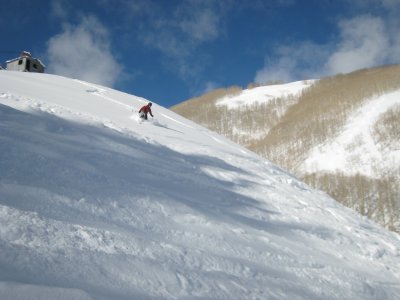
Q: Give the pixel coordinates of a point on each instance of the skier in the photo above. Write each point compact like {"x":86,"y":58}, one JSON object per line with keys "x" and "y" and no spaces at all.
{"x":146,"y":110}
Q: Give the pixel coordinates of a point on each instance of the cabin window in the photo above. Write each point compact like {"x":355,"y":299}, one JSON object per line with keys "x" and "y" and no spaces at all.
{"x":20,"y":62}
{"x":28,"y":65}
{"x":35,"y":66}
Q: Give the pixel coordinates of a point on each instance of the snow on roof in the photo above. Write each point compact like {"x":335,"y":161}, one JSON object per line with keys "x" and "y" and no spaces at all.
{"x":39,"y":61}
{"x":11,"y":60}
{"x":18,"y":58}
{"x":26,"y":54}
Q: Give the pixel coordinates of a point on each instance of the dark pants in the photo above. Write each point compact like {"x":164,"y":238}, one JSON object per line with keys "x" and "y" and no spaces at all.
{"x":143,"y":115}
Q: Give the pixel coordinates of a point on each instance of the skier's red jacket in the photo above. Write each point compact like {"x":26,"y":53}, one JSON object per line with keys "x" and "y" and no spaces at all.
{"x":146,"y":109}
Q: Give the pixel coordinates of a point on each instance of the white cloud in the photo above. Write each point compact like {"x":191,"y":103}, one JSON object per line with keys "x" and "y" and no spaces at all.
{"x":387,"y":4}
{"x":391,"y":3}
{"x":282,"y":69}
{"x":364,"y":43}
{"x":200,"y":24}
{"x":295,"y":62}
{"x":59,"y":9}
{"x":209,"y":86}
{"x":83,"y":52}
{"x":179,"y":31}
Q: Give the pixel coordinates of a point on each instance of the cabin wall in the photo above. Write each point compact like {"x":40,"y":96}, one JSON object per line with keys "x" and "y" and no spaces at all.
{"x":25,"y":64}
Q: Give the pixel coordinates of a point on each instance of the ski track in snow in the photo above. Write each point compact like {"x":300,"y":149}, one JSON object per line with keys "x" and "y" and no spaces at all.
{"x":163,"y":210}
{"x":98,"y":91}
{"x":174,"y":120}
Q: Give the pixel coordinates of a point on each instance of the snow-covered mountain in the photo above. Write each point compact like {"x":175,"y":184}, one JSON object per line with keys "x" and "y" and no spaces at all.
{"x":340,"y":134}
{"x":96,"y":205}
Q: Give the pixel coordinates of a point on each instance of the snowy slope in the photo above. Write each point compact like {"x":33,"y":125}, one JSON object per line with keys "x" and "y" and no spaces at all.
{"x":264,"y":94}
{"x":94,"y":205}
{"x":339,"y":154}
{"x":368,"y":157}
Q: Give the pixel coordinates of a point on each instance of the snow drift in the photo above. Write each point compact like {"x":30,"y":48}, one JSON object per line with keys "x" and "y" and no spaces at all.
{"x":95,"y":205}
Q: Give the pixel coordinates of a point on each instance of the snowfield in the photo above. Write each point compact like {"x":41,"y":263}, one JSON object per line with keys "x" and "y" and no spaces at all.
{"x":265,"y":94}
{"x":368,"y":158}
{"x":96,"y":205}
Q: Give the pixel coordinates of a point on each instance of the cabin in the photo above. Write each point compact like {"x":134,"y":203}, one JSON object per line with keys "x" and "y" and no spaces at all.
{"x":25,"y":63}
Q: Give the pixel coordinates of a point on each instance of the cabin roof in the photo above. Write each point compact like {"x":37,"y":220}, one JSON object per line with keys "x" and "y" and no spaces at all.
{"x":18,"y":58}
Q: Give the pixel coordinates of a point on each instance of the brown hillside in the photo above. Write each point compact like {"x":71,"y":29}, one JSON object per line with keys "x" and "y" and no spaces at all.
{"x":286,"y":129}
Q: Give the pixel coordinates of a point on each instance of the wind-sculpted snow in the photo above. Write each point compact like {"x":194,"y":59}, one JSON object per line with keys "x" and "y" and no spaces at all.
{"x":94,"y":205}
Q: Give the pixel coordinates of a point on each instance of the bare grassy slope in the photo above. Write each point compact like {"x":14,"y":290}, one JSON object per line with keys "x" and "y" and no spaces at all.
{"x":322,"y":111}
{"x":245,"y":125}
{"x":286,"y":129}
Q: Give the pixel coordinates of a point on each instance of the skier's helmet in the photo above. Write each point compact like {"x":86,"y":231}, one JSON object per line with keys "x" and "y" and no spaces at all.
{"x":150,"y":104}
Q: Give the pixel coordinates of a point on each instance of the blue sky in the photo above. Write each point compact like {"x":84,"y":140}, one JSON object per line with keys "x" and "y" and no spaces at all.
{"x":168,"y":50}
